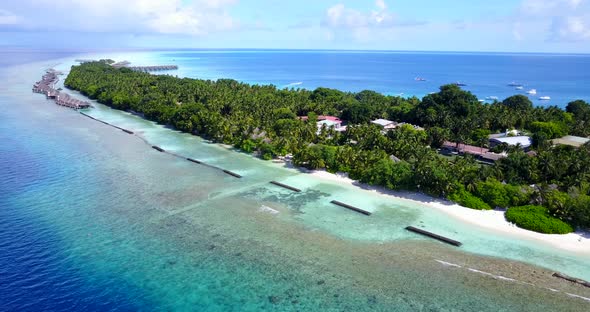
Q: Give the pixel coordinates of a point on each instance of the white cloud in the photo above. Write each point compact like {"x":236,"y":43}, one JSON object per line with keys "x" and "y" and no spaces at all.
{"x":517,"y":32}
{"x":565,"y":20}
{"x":339,"y":16}
{"x":195,"y":17}
{"x":8,"y":18}
{"x":549,"y":7}
{"x":572,"y":28}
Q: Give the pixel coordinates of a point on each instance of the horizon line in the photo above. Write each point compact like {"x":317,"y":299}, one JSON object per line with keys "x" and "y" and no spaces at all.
{"x":130,"y":49}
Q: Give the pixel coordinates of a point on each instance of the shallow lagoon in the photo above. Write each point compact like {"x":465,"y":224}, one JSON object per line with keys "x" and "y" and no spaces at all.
{"x":152,"y":231}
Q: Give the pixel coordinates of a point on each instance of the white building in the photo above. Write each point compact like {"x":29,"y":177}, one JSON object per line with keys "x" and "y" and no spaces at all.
{"x":384,"y":123}
{"x":524,"y":141}
{"x":336,"y":124}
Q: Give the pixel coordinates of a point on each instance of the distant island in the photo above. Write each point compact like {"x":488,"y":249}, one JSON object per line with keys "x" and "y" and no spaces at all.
{"x":533,"y":161}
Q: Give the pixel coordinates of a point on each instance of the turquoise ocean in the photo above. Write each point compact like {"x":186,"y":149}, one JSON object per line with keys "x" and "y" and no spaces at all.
{"x":94,"y":219}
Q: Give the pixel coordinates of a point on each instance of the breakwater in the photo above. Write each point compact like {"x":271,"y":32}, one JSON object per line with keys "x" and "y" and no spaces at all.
{"x":294,"y":189}
{"x":353,"y":208}
{"x":572,"y":279}
{"x":435,"y":236}
{"x":161,"y":150}
{"x":47,"y":86}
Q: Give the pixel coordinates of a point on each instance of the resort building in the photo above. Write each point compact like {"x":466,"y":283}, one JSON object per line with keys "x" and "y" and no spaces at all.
{"x":571,"y":140}
{"x":481,"y":153}
{"x":523,"y":141}
{"x":329,"y":122}
{"x":508,"y":133}
{"x":389,"y":125}
{"x":464,"y":148}
{"x":384,"y":123}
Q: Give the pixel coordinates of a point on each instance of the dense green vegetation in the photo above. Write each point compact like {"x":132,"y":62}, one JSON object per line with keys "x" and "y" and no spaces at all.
{"x":537,"y":218}
{"x":263,"y":120}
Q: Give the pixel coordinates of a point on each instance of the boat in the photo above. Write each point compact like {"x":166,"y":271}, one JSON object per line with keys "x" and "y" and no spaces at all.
{"x":494,"y":98}
{"x":532,"y":91}
{"x":519,"y":87}
{"x":419,"y":79}
{"x":545,"y":98}
{"x":514,"y":84}
{"x":459,"y":84}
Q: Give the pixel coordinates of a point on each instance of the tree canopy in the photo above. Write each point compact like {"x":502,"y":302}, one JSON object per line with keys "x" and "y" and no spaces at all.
{"x":264,"y":119}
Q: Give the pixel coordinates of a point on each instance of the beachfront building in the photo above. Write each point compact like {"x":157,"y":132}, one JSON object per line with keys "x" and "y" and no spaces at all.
{"x":523,"y":141}
{"x":571,"y":140}
{"x":387,"y":125}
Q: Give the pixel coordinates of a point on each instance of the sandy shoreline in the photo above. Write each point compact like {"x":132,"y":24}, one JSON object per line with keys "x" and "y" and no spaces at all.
{"x":578,"y":242}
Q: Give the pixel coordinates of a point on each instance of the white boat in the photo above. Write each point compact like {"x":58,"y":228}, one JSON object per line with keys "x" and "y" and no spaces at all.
{"x":419,"y":79}
{"x":494,"y":98}
{"x":514,"y":84}
{"x":545,"y":98}
{"x":519,"y":88}
{"x":532,"y":91}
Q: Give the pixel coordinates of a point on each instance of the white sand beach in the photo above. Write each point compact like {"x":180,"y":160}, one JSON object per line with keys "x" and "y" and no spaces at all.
{"x":578,"y":242}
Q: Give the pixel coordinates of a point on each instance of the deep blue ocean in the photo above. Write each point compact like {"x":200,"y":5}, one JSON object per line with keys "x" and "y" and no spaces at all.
{"x":562,"y":77}
{"x":92,"y":219}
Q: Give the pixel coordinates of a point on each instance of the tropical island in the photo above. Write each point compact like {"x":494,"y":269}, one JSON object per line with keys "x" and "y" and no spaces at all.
{"x":448,"y":144}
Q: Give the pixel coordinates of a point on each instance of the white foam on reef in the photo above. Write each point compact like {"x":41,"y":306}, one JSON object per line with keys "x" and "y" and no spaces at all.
{"x":447,"y":263}
{"x":500,"y":277}
{"x":267,"y":209}
{"x":578,"y":296}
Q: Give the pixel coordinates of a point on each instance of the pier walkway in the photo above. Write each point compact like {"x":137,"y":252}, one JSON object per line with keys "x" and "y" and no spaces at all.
{"x":47,"y":86}
{"x":152,"y":68}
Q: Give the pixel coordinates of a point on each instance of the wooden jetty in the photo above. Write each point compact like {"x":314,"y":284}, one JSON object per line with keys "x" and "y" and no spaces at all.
{"x":157,"y":148}
{"x":294,"y":189}
{"x":66,"y":100}
{"x":341,"y":204}
{"x":435,"y":236}
{"x":152,"y":68}
{"x":232,"y":173}
{"x":572,"y":279}
{"x":47,"y":86}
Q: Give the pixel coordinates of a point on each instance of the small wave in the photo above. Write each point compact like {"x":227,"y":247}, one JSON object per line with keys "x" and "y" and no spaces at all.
{"x":267,"y":209}
{"x":500,"y":277}
{"x":447,"y":263}
{"x":578,"y":296}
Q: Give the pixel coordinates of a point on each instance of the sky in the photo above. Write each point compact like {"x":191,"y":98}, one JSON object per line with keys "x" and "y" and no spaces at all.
{"x":560,"y":26}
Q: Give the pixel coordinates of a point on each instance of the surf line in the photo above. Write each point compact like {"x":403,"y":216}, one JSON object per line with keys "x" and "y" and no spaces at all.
{"x":161,"y":150}
{"x":507,"y":279}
